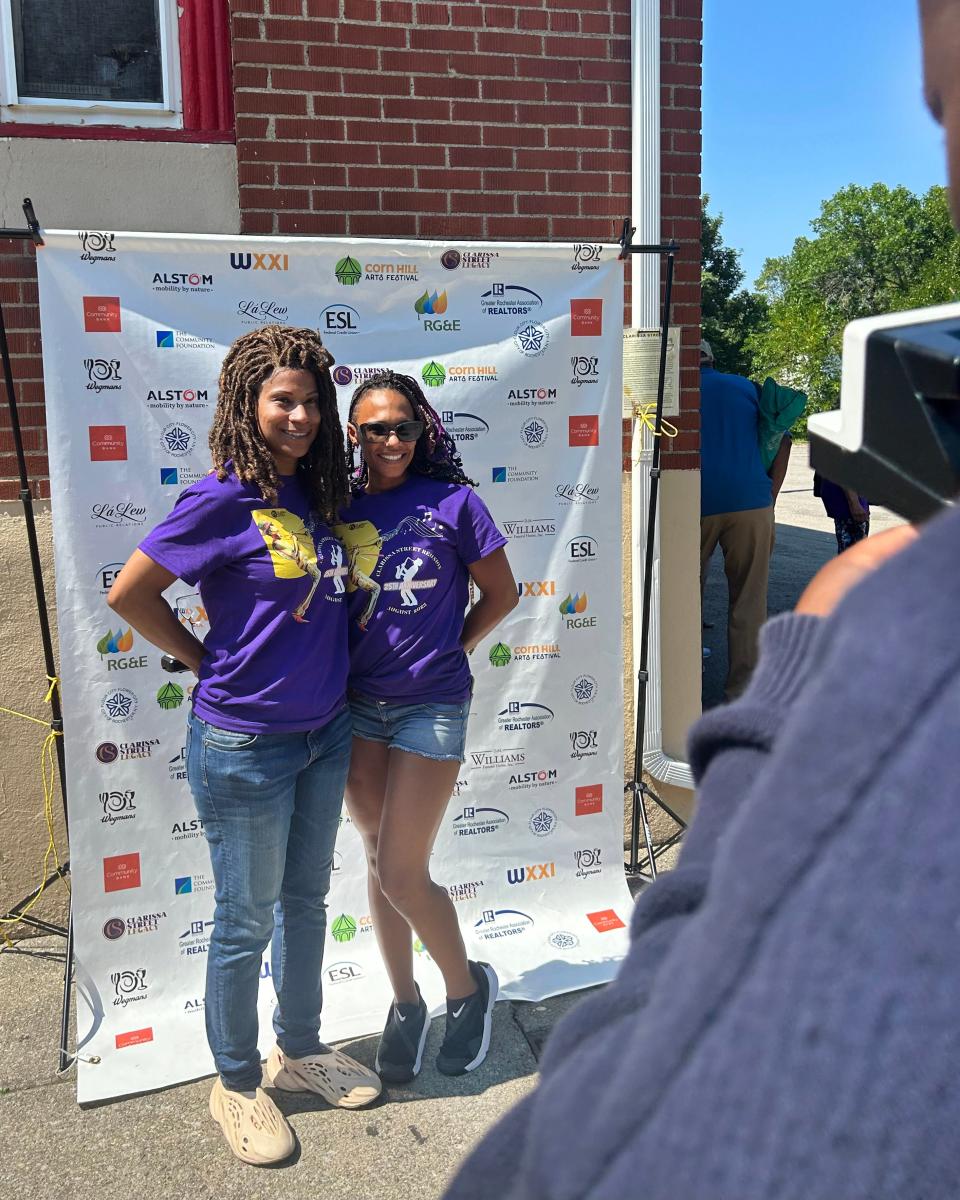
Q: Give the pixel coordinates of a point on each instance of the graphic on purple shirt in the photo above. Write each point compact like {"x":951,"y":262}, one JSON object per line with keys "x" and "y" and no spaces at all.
{"x":408,"y":550}
{"x":273,"y":586}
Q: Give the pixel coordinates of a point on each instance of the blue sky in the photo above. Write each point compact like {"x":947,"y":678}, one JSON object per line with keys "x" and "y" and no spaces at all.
{"x":802,"y":98}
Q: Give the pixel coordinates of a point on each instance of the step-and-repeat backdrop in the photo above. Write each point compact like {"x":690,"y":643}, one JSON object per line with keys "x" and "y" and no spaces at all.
{"x":519,"y":348}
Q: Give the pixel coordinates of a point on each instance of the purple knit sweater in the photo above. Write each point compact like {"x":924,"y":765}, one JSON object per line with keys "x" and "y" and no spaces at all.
{"x":787,"y":1023}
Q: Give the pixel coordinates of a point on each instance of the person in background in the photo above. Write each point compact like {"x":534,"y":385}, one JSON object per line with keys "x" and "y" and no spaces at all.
{"x":785,"y":1024}
{"x":416,"y":534}
{"x":850,"y":512}
{"x":736,"y":509}
{"x":268,"y":735}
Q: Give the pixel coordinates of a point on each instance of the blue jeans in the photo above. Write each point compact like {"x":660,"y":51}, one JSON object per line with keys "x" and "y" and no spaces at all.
{"x":270,"y":806}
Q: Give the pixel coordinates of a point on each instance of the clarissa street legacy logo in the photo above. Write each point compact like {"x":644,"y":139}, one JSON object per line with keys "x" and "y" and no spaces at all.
{"x":97,"y":247}
{"x":530,"y":527}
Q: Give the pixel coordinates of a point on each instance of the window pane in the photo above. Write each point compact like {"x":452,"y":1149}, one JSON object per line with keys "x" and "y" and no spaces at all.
{"x":78,"y":50}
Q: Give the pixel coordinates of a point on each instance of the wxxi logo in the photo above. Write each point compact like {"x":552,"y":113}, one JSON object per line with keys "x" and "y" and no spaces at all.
{"x":260,"y":262}
{"x":531,"y":873}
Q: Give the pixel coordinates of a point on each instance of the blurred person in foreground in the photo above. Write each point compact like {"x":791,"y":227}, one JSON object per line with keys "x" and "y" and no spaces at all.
{"x":785,"y":1025}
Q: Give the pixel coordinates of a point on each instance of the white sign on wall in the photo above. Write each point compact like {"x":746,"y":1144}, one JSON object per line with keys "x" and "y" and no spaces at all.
{"x":519,"y":348}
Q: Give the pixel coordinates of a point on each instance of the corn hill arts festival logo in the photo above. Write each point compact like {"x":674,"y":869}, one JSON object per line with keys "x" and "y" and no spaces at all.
{"x":349,"y":272}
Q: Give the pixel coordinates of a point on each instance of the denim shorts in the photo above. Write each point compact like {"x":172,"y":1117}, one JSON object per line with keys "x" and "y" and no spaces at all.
{"x":437,"y":731}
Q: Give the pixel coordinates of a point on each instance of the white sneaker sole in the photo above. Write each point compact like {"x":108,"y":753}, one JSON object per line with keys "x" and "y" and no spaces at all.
{"x":418,"y":1061}
{"x":494,"y":983}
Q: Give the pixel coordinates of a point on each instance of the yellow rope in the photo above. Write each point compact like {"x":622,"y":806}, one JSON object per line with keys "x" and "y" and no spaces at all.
{"x":49,"y":777}
{"x":645,"y":413}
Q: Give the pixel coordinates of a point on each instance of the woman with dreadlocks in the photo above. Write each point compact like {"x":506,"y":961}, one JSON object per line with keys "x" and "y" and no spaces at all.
{"x":268,"y":738}
{"x":417,"y":534}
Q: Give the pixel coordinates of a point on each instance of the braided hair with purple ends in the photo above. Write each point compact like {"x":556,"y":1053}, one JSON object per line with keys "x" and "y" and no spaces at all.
{"x":435,"y":455}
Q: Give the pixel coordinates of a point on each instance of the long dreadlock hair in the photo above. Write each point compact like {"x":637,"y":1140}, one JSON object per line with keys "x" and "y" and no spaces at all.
{"x":249,"y":363}
{"x":435,"y":455}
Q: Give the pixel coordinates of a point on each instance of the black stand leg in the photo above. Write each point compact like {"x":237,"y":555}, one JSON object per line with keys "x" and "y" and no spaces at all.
{"x":32,"y":232}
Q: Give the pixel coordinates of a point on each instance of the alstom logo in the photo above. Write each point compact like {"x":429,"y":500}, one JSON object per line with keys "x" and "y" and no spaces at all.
{"x":531,"y":873}
{"x":260,"y":262}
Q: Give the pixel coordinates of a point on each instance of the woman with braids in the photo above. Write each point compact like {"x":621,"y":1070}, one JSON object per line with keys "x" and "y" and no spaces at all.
{"x":417,"y":534}
{"x":268,"y":738}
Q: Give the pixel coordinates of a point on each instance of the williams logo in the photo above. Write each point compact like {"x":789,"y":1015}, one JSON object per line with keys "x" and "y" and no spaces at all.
{"x":129,"y":986}
{"x":583,"y":743}
{"x":473,"y":821}
{"x":340,"y":318}
{"x":348,"y":271}
{"x":501,"y":923}
{"x":103,"y":374}
{"x":520,"y":715}
{"x":497,"y":758}
{"x":430,"y":308}
{"x":464,"y":427}
{"x":531,"y":338}
{"x":97,"y":247}
{"x":117,"y":806}
{"x":260,"y":262}
{"x":509,"y":300}
{"x":530,"y":528}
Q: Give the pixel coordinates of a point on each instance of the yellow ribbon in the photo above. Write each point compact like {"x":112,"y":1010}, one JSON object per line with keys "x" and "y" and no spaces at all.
{"x":646,"y":414}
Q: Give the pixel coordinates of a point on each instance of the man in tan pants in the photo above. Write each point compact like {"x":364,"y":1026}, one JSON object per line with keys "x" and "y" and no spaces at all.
{"x":736,"y":509}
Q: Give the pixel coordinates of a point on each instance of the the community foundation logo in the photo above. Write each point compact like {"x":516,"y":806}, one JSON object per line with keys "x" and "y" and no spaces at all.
{"x":512,"y":474}
{"x":586,"y":318}
{"x":509,"y":300}
{"x":101,"y":314}
{"x":103,"y":374}
{"x":182,"y":339}
{"x":190,"y":885}
{"x":96,"y":247}
{"x":498,"y":923}
{"x":473,"y":821}
{"x":121,"y":872}
{"x":108,"y":443}
{"x":260,"y":262}
{"x":118,"y":806}
{"x":129,"y":987}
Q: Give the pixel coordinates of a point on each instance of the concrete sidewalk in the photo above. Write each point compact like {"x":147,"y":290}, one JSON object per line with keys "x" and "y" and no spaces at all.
{"x":165,"y":1146}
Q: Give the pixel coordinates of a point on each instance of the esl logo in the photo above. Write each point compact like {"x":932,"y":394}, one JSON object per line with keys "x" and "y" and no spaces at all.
{"x":340,"y":318}
{"x":582,"y":549}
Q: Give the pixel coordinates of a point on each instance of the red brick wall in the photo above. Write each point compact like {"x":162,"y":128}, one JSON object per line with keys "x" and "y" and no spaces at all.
{"x":18,"y":295}
{"x":396,"y":118}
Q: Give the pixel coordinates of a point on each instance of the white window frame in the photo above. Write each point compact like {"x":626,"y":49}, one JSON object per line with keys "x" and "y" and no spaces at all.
{"x":166,"y":115}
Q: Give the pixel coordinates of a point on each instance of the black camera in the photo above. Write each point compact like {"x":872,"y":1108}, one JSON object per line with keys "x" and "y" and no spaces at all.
{"x":895,"y":438}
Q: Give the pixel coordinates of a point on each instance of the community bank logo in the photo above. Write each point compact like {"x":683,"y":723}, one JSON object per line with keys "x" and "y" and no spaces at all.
{"x":577,"y":493}
{"x":586,"y":257}
{"x":260,"y":262}
{"x":262,"y":312}
{"x":531,"y":338}
{"x":582,"y":549}
{"x":101,"y":314}
{"x":464,"y":426}
{"x":586,"y":318}
{"x":585,"y":368}
{"x":543,"y":821}
{"x":473,"y":822}
{"x":605,"y":920}
{"x":484,"y":759}
{"x":119,"y":705}
{"x":430,"y":309}
{"x":502,"y":922}
{"x":509,"y":300}
{"x":339,"y":318}
{"x":523,"y":715}
{"x":97,"y":247}
{"x":588,"y":862}
{"x":195,"y":939}
{"x":103,"y":374}
{"x":117,"y":927}
{"x":589,"y":800}
{"x":133,"y":1037}
{"x":584,"y":430}
{"x":129,"y":987}
{"x":118,"y":806}
{"x":583,"y":743}
{"x":121,"y":872}
{"x":534,"y":433}
{"x":180,"y":339}
{"x":109,"y":514}
{"x":572,"y":609}
{"x":468,"y":260}
{"x":525,"y":397}
{"x":584,"y":689}
{"x":108,"y":443}
{"x":178,"y":439}
{"x":530,"y":527}
{"x":343,"y":972}
{"x":182,"y":282}
{"x":531,"y":872}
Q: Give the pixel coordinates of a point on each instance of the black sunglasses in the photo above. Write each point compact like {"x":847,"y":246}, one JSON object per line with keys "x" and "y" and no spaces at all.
{"x":379,"y":431}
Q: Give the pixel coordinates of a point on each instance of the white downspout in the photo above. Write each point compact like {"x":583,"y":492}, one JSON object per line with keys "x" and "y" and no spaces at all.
{"x":646,"y":269}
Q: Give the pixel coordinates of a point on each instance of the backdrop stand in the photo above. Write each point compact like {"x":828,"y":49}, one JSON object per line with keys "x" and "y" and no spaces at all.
{"x":639,"y":790}
{"x":32,"y":233}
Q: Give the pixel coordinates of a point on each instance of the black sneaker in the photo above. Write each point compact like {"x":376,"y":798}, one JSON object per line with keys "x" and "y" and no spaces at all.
{"x":467,"y":1039}
{"x":400,"y":1053}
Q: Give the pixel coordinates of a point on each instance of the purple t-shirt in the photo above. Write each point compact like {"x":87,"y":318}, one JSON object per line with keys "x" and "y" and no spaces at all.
{"x":273,"y":583}
{"x":408,"y":550}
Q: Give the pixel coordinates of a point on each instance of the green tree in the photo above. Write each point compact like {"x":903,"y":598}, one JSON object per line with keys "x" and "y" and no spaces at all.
{"x":874,"y":250}
{"x":730,"y":315}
